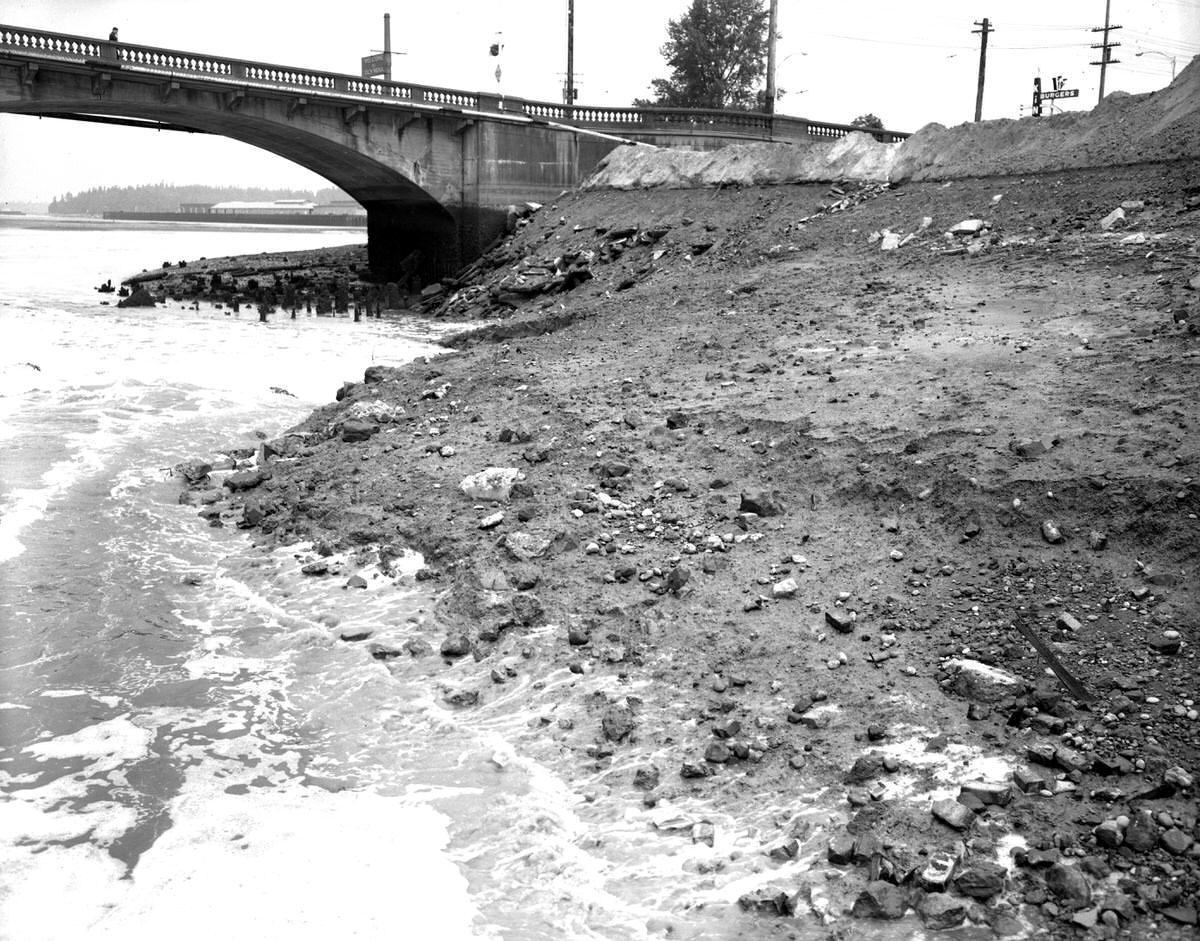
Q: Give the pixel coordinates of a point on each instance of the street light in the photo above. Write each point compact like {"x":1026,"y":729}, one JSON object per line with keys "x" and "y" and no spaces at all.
{"x":1155,"y":52}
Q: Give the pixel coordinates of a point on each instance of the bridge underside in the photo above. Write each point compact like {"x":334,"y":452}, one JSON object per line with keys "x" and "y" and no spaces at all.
{"x":402,"y":217}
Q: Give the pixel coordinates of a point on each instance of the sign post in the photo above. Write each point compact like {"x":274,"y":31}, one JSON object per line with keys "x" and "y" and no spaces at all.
{"x":1057,"y":92}
{"x":379,"y":65}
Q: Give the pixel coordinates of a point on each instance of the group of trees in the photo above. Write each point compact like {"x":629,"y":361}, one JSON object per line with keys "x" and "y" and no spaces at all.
{"x":717,"y":53}
{"x":166,"y":197}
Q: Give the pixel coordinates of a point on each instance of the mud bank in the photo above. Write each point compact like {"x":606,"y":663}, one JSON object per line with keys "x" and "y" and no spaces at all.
{"x":776,"y":519}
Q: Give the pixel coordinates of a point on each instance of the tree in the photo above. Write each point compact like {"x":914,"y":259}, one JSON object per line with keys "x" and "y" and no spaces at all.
{"x":868,"y":121}
{"x":717,"y":55}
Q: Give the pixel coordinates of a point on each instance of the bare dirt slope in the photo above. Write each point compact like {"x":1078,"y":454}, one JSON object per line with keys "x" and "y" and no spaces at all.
{"x":811,"y":491}
{"x":1123,"y":129}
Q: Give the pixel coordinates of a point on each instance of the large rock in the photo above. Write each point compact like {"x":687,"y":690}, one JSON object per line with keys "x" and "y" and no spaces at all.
{"x":981,"y":880}
{"x":526,"y":546}
{"x":353,"y":430}
{"x":978,"y":681}
{"x":373,"y":410}
{"x":247,"y":479}
{"x":139,"y":298}
{"x":617,"y":723}
{"x":940,"y":911}
{"x":762,"y":502}
{"x":881,"y":900}
{"x":493,"y":483}
{"x":194,"y":472}
{"x":258,"y":507}
{"x":1069,"y":885}
{"x":953,"y":814}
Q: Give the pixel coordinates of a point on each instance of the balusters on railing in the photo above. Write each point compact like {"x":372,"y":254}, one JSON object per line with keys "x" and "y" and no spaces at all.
{"x":764,"y":126}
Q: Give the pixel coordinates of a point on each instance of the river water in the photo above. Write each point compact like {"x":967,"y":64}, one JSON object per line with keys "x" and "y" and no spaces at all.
{"x":186,"y":746}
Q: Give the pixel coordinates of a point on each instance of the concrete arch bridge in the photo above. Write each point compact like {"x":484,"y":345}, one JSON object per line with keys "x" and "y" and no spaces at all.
{"x":435,"y":168}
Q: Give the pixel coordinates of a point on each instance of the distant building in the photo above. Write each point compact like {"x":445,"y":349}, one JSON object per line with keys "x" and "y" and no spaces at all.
{"x":278,"y":207}
{"x":340,"y":207}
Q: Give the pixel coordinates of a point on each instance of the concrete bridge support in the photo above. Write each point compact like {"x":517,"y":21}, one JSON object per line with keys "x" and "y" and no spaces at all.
{"x":435,"y":168}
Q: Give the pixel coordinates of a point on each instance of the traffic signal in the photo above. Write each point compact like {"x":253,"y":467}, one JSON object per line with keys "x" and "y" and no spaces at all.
{"x":495,"y":50}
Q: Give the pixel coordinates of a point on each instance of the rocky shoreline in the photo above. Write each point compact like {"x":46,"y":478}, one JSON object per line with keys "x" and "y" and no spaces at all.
{"x":778,"y":483}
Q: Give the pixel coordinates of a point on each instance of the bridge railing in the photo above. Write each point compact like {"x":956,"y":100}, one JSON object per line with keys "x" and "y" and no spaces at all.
{"x":176,"y":63}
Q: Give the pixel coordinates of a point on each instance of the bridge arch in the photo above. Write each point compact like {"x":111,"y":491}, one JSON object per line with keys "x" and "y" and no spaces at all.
{"x":435,"y":168}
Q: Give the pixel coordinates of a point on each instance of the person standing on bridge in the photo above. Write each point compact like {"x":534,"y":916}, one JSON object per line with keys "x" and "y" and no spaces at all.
{"x":112,"y":37}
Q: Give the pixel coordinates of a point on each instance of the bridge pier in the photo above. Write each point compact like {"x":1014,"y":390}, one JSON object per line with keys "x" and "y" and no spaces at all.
{"x":394,"y":233}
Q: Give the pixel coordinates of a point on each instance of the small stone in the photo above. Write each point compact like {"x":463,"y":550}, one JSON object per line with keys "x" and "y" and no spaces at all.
{"x":841,"y":848}
{"x":1051,"y":532}
{"x":704,"y":832}
{"x":1097,"y":540}
{"x":786,"y":588}
{"x":1068,"y":622}
{"x":840,"y":621}
{"x":646,"y":778}
{"x":1175,"y":841}
{"x":1166,"y":646}
{"x":1108,"y":834}
{"x":1141,"y":835}
{"x":767,"y":901}
{"x":356,"y":581}
{"x":491,"y":522}
{"x":456,"y":645}
{"x":717,"y":752}
{"x":694,"y":769}
{"x":953,"y":814}
{"x":462,"y":697}
{"x":1178,"y":777}
{"x":578,"y":636}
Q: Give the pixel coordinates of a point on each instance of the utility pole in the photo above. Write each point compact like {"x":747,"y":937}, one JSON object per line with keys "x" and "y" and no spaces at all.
{"x":984,"y":29}
{"x":772,"y":28}
{"x":569,"y":91}
{"x":1105,"y":47}
{"x":387,"y":47}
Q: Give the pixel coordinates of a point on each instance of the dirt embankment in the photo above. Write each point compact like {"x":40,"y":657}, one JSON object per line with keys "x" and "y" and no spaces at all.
{"x":815,"y":492}
{"x":1123,"y":129}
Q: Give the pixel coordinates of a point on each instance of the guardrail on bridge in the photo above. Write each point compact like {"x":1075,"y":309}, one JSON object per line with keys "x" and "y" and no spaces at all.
{"x":91,"y":53}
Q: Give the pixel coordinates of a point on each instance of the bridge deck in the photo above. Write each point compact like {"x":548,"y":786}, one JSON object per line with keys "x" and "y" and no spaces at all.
{"x":29,"y":46}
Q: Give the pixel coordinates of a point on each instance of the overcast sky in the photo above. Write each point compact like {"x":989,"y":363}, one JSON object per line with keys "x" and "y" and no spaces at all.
{"x":909,"y":63}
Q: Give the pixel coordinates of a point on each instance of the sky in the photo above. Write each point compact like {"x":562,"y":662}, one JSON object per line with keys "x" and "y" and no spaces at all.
{"x":909,"y":63}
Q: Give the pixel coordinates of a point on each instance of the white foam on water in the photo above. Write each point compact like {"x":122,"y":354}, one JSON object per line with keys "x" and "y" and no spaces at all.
{"x":108,"y":743}
{"x":12,"y":705}
{"x":292,"y":865}
{"x":25,"y":507}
